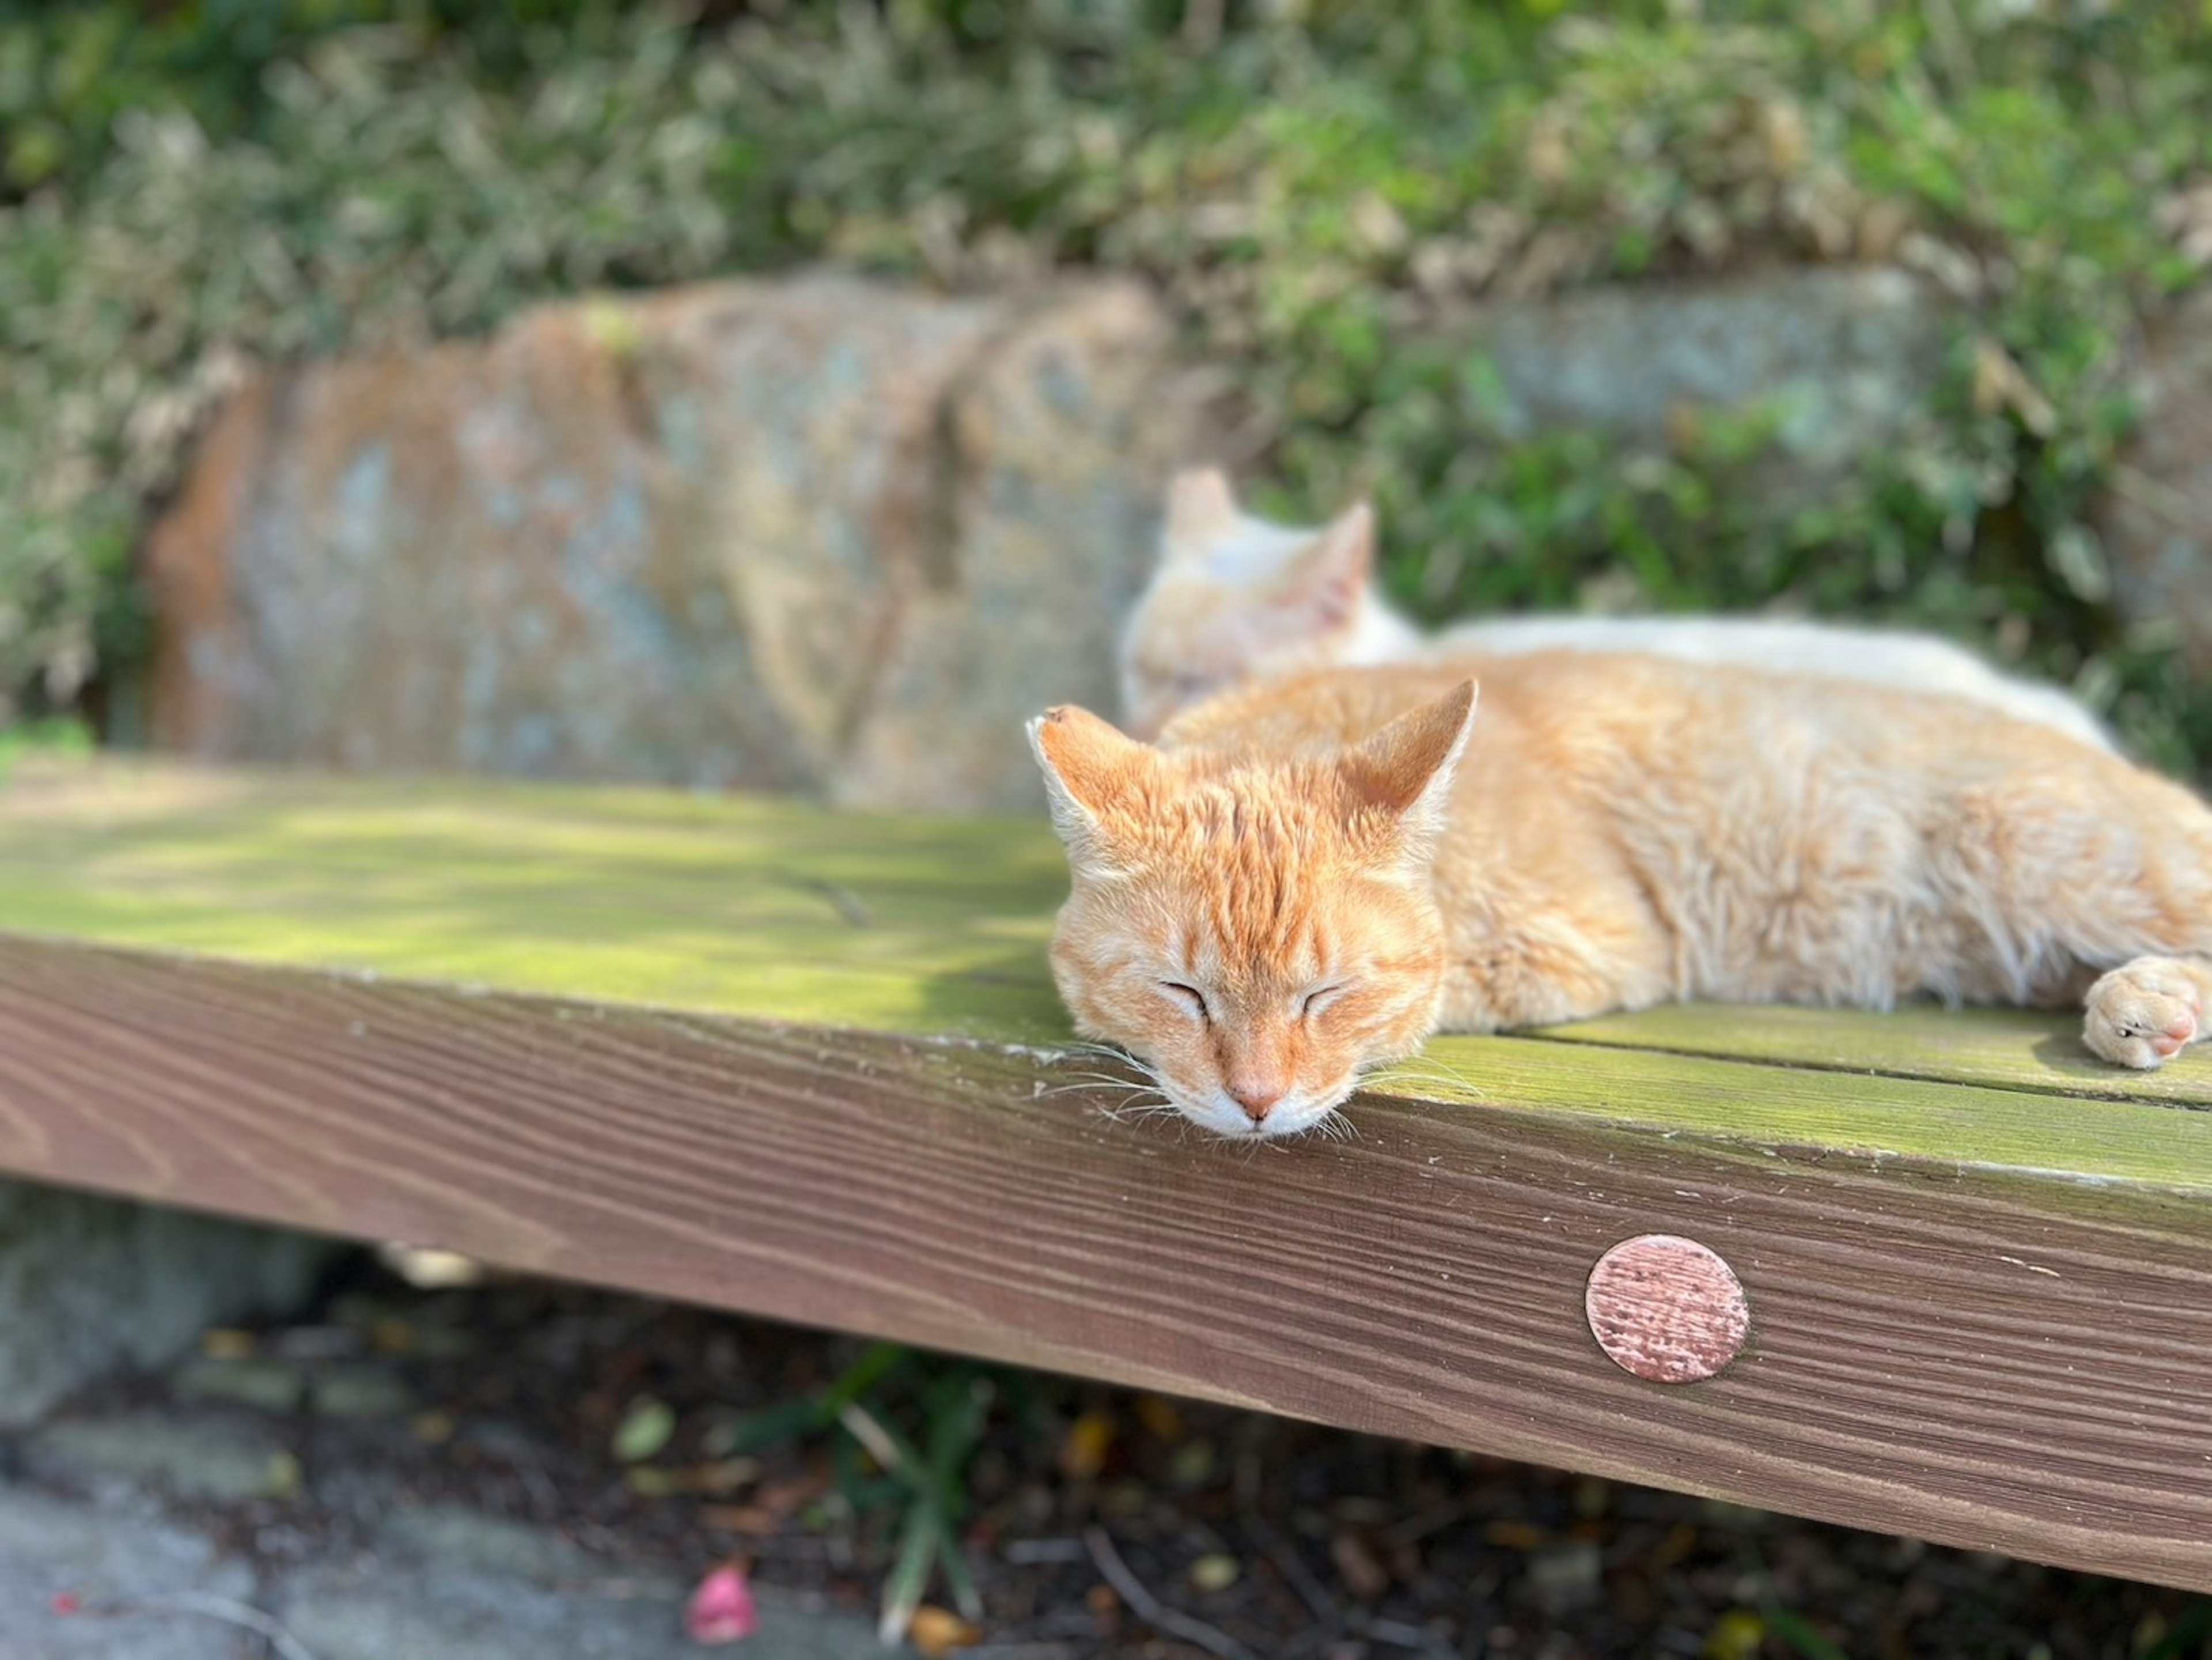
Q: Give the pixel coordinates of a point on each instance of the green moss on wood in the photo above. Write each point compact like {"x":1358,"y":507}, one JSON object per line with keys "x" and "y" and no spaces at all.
{"x":1789,"y":1109}
{"x":773,"y":910}
{"x":779,"y":910}
{"x":2012,"y":1049}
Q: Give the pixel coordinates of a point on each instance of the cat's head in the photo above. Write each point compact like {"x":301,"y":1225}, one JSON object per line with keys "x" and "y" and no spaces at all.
{"x":1257,"y":932}
{"x":1234,"y":596}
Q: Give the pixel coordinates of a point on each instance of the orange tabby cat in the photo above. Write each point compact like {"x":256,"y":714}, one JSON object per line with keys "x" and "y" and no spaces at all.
{"x":1309,"y":876}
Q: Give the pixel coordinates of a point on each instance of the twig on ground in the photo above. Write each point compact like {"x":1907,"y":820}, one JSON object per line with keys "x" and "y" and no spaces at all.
{"x":1150,"y":1610}
{"x":1029,"y":1553}
{"x":1399,"y":1635}
{"x":1292,"y":1566}
{"x":1417,"y":1528}
{"x":208,"y":1606}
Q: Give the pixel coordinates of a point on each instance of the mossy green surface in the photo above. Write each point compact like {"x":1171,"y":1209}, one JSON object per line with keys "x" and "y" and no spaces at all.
{"x":783,"y":911}
{"x":770,"y":909}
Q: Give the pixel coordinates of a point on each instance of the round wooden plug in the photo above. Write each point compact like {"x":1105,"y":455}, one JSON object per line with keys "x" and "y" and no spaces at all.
{"x":1667,"y":1309}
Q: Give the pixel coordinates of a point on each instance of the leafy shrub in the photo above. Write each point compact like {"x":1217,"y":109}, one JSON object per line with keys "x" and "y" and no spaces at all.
{"x":1321,"y":190}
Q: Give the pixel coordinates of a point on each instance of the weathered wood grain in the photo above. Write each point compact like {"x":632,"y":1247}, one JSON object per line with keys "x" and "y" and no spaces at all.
{"x":1982,"y":1357}
{"x":2009,"y":1048}
{"x":1978,"y":1266}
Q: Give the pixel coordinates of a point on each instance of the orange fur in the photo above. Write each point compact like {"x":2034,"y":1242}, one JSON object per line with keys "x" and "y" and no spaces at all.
{"x":1310,"y":875}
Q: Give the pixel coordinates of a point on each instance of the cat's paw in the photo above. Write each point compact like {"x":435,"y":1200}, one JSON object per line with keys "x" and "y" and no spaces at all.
{"x":2141,"y":1014}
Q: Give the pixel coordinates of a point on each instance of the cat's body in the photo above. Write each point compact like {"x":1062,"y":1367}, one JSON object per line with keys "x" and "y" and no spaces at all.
{"x":1622,"y":830}
{"x":1236,"y":598}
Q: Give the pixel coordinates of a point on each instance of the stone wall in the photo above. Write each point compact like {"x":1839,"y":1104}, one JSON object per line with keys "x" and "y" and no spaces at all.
{"x":2157,"y":524}
{"x":820,"y":535}
{"x":838,"y":537}
{"x":89,"y":1284}
{"x":1844,"y":359}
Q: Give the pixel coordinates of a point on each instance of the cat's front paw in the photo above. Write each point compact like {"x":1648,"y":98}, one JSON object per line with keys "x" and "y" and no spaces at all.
{"x":2142,"y":1013}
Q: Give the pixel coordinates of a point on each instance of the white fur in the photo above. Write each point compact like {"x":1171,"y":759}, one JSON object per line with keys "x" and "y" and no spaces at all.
{"x":1832,"y":651}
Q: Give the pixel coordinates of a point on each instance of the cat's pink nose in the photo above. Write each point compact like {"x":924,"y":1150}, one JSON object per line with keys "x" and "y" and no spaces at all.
{"x":1258,"y":1100}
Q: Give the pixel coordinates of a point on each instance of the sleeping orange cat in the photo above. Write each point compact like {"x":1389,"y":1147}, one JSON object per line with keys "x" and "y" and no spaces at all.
{"x":1307,"y":877}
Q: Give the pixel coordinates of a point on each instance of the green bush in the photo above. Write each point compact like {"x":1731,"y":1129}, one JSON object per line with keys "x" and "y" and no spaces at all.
{"x":1321,"y":190}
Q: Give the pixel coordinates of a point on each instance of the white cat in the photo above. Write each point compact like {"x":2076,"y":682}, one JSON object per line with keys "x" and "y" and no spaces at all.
{"x":1236,"y":598}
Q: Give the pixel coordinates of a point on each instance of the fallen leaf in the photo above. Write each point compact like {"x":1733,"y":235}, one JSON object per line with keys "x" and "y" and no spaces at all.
{"x":1681,"y":1539}
{"x":646,"y":1428}
{"x":433,"y":1429}
{"x":1083,"y":1454}
{"x":1160,"y":1419}
{"x":224,"y":1343}
{"x":936,"y":1632}
{"x":1513,"y":1535}
{"x":1215,"y":1571}
{"x":721,"y":1608}
{"x":742,"y":1518}
{"x":1562,"y":1578}
{"x":283,"y":1475}
{"x":1364,"y":1577}
{"x":724,"y":1475}
{"x":776,"y":1503}
{"x":650,"y":1481}
{"x":428,"y":1269}
{"x":1739,"y":1634}
{"x":1191,"y":1464}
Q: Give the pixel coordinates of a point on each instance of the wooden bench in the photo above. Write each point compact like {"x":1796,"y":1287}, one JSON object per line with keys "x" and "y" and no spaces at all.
{"x":810,"y":1065}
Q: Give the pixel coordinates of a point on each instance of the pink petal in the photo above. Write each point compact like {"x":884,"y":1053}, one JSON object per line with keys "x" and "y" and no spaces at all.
{"x":722,"y":1609}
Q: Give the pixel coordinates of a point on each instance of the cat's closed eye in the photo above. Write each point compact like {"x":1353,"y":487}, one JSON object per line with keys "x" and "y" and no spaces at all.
{"x":1189,"y":996}
{"x":1317,"y":1000}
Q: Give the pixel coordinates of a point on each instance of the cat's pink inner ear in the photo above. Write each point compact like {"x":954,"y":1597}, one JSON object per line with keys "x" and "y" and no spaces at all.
{"x":1407,"y":768}
{"x":1089,"y":767}
{"x":1329,"y":579}
{"x":1201,"y":505}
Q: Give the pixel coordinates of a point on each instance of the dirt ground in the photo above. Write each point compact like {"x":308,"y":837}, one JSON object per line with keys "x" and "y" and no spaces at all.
{"x":1096,"y":1522}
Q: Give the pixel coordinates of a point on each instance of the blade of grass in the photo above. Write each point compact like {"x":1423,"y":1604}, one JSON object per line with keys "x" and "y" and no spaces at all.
{"x":910,"y":1574}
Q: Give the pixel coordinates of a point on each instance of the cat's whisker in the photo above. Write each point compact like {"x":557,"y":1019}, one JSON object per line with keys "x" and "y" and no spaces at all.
{"x":1150,"y":1100}
{"x":1092,"y":1080}
{"x":1099,"y":1052}
{"x":1338,"y":1128}
{"x":1422,"y":1069}
{"x":1134,"y":1106}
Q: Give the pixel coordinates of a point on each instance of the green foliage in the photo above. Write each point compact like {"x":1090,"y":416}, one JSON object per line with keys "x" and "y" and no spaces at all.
{"x":57,"y":735}
{"x":904,"y":1425}
{"x":1323,"y":190}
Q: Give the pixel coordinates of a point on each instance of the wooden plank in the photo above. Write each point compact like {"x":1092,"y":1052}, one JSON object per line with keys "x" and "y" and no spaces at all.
{"x":1980,"y":1357}
{"x":2008,"y":1048}
{"x":1947,"y":1126}
{"x":778,"y":910}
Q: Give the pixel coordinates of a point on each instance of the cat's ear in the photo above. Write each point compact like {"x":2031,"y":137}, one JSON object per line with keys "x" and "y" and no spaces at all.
{"x":1328,"y":580}
{"x":1405,"y":769}
{"x":1201,"y":507}
{"x":1089,"y":767}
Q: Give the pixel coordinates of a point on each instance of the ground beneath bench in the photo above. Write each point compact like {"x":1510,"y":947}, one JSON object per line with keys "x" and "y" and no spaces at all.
{"x":440,"y":1474}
